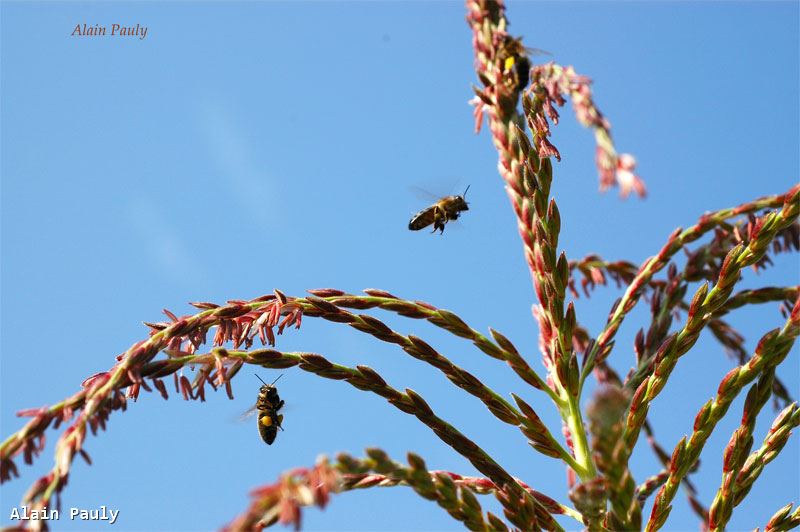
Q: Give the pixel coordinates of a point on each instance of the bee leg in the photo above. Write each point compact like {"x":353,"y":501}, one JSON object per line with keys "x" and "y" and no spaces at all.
{"x":445,"y":218}
{"x":439,"y":219}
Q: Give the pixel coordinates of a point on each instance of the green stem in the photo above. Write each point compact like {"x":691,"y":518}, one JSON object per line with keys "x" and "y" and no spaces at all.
{"x":584,"y":465}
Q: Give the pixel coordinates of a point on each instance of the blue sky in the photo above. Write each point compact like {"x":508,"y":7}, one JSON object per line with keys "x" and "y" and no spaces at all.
{"x":249,"y":146}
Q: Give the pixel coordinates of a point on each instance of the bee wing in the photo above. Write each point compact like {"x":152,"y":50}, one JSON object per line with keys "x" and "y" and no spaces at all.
{"x":437,"y":189}
{"x":248,"y":413}
{"x":538,"y":52}
{"x":424,"y":194}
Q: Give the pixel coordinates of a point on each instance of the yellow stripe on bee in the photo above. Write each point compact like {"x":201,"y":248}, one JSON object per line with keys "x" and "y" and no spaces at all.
{"x":266,"y":421}
{"x":509,"y":63}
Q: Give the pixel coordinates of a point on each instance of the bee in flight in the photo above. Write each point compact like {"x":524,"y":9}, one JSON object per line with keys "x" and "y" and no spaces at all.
{"x":446,"y":209}
{"x":268,"y":404}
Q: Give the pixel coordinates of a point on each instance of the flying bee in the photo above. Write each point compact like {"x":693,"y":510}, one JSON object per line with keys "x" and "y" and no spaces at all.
{"x":446,"y":209}
{"x":268,"y":404}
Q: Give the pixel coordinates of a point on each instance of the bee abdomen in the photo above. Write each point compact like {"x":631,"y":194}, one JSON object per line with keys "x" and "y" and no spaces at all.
{"x":422,"y":219}
{"x":267,"y":428}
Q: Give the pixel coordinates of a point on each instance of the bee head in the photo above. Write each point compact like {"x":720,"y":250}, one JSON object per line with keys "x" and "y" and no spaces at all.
{"x":462,"y":204}
{"x":266,"y":387}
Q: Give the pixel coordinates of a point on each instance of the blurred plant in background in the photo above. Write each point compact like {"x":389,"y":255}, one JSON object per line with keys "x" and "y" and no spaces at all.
{"x":597,"y":443}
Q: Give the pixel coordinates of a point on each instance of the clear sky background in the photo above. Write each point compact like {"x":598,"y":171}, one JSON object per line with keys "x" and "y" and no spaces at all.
{"x":250,"y":146}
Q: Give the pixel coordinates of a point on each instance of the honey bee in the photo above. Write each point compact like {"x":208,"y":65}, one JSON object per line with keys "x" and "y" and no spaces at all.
{"x":268,"y":404}
{"x":514,"y":56}
{"x":446,"y":209}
